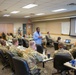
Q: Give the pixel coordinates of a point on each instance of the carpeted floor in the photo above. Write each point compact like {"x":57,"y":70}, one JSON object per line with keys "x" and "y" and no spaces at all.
{"x":48,"y":70}
{"x":6,"y":71}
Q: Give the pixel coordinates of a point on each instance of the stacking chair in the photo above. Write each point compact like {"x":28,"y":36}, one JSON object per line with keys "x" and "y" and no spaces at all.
{"x":21,"y":67}
{"x":59,"y":60}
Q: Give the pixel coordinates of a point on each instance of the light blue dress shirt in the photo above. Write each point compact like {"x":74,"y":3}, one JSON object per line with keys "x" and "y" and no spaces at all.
{"x":36,"y":38}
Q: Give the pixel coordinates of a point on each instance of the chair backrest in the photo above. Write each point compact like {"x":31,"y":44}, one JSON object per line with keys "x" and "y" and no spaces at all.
{"x":21,"y":66}
{"x":10,"y":56}
{"x":74,"y":53}
{"x":3,"y":59}
{"x":20,"y":41}
{"x":56,"y":45}
{"x":60,"y":59}
{"x":39,"y":48}
{"x":25,"y":44}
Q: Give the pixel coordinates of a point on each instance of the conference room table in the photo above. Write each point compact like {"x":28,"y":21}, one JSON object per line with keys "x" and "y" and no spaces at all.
{"x":46,"y":60}
{"x":68,"y":64}
{"x":68,"y":45}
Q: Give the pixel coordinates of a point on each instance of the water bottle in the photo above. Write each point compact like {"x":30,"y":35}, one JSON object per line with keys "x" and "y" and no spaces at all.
{"x":44,"y":52}
{"x":73,"y":63}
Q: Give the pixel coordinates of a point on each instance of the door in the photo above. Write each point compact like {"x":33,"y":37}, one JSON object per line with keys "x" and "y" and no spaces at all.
{"x":24,"y":28}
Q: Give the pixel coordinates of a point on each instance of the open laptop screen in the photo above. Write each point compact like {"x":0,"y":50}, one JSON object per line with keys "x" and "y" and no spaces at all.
{"x":67,"y":40}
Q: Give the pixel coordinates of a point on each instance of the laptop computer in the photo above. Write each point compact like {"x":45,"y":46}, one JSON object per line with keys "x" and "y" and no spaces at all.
{"x":67,"y":40}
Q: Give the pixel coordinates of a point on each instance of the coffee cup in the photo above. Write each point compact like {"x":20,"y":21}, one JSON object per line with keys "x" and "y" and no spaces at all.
{"x":48,"y":55}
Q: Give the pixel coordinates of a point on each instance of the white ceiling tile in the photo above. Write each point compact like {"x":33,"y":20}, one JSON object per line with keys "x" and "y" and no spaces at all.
{"x":44,"y":6}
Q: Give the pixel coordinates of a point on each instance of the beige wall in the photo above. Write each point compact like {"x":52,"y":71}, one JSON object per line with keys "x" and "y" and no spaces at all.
{"x":53,"y":26}
{"x":6,"y":28}
{"x":16,"y":22}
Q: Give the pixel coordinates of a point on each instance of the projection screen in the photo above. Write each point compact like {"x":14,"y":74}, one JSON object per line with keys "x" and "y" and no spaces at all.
{"x":73,"y":27}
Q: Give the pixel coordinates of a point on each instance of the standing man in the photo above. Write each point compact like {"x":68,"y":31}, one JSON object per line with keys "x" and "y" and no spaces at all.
{"x":37,"y":36}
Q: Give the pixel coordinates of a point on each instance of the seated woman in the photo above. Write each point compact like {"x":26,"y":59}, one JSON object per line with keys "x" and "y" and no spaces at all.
{"x":59,"y":39}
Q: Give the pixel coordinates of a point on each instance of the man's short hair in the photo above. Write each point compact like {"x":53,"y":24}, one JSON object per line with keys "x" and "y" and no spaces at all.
{"x":60,"y":45}
{"x":37,"y":28}
{"x":14,"y":40}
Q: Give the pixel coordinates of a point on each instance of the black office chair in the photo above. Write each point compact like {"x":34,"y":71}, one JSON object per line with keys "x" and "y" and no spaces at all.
{"x":20,"y":41}
{"x":59,"y":60}
{"x":56,"y":45}
{"x":10,"y":56}
{"x":25,"y":43}
{"x":74,"y":53}
{"x":21,"y":67}
{"x":39,"y":48}
{"x":4,"y":59}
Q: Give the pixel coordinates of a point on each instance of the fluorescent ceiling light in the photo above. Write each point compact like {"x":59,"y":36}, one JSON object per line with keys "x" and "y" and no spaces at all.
{"x":30,"y":6}
{"x":6,"y":15}
{"x":26,"y":16}
{"x":59,"y":10}
{"x":40,"y":14}
{"x":14,"y":12}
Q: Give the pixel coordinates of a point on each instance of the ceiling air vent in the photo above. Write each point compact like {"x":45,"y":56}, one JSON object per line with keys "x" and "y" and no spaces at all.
{"x":72,"y":4}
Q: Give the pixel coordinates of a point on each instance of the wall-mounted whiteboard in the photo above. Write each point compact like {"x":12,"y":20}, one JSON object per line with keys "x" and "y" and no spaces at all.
{"x":65,"y":28}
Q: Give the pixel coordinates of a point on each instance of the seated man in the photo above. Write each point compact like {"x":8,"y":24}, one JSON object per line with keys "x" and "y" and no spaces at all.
{"x":31,"y":55}
{"x":15,"y":47}
{"x":32,"y":45}
{"x":73,"y":52}
{"x":60,"y":57}
{"x":3,"y":45}
{"x":48,"y":39}
{"x":61,"y":50}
